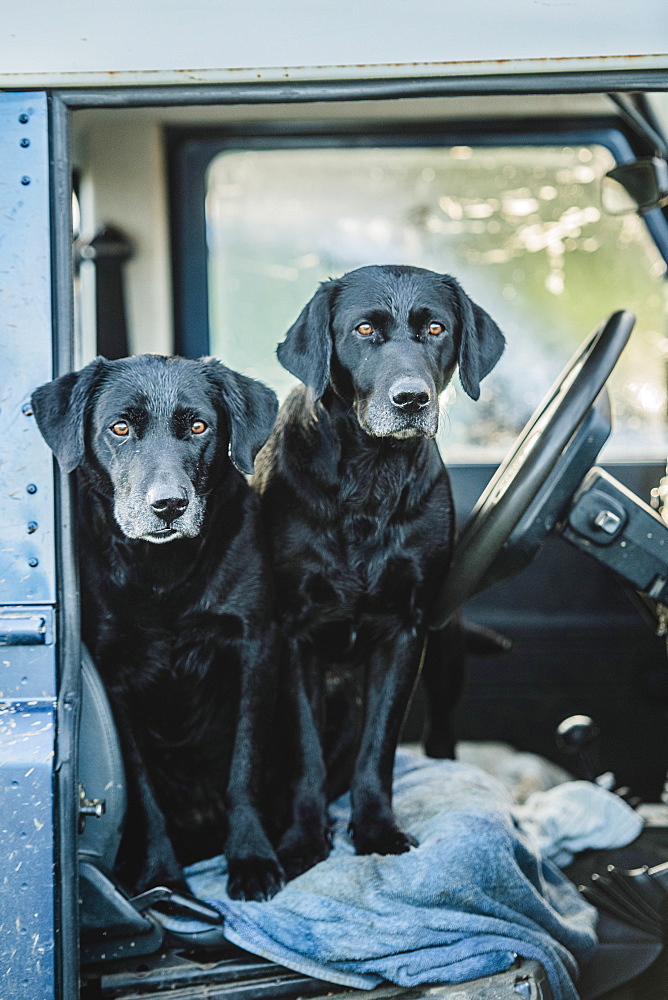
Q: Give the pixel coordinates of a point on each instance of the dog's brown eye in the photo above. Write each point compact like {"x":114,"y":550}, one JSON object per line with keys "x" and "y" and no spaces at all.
{"x":120,"y":428}
{"x":198,"y":427}
{"x":436,"y":328}
{"x":365,"y":329}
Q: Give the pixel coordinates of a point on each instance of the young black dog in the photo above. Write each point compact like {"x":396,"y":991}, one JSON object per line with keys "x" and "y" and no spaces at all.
{"x":359,"y":516}
{"x":176,"y":599}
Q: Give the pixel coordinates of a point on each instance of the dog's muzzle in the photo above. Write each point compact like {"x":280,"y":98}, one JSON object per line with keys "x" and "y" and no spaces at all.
{"x":161,"y":514}
{"x":167,"y":508}
{"x":409,"y":408}
{"x":410,"y":395}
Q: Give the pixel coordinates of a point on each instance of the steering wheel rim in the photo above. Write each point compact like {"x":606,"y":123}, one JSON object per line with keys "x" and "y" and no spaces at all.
{"x":528,"y":464}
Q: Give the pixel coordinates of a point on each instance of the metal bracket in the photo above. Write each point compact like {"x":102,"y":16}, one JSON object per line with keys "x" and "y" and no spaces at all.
{"x":176,"y":904}
{"x":26,"y":626}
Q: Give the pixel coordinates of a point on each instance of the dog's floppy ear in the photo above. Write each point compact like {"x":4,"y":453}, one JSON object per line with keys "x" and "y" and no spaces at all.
{"x":481,"y":343}
{"x":60,"y":412}
{"x":251,"y":409}
{"x":306,"y":351}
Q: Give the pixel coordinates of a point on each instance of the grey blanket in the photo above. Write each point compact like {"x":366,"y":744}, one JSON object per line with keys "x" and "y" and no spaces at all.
{"x":473,"y":895}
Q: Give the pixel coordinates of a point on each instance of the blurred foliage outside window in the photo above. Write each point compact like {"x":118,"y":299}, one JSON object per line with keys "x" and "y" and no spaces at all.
{"x":520,"y":227}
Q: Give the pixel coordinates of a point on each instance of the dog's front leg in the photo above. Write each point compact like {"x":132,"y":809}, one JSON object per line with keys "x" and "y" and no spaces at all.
{"x":391,"y":674}
{"x":254,"y":871}
{"x":443,"y":673}
{"x":149,"y":857}
{"x":306,"y":840}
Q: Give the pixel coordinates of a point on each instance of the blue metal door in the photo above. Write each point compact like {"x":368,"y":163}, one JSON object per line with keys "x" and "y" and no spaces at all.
{"x":27,"y":560}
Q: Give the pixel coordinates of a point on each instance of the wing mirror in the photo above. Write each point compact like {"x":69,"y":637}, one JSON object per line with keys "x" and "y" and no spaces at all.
{"x":635,"y":187}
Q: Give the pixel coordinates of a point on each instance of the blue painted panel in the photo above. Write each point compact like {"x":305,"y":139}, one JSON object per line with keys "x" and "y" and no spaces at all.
{"x":26,"y":669}
{"x":26,"y":854}
{"x":27,"y":560}
{"x":27,"y":573}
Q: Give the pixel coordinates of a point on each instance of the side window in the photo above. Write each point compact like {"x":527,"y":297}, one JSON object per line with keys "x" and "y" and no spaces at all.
{"x":521,"y":227}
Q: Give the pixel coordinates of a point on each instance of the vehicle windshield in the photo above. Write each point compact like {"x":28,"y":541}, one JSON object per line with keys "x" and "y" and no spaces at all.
{"x":521,"y":227}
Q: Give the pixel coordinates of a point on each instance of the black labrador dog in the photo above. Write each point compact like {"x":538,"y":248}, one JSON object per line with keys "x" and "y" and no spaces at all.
{"x":359,"y":516}
{"x":177,"y":603}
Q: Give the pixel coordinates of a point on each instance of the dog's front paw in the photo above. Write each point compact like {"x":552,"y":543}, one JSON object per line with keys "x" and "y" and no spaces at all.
{"x":300,"y":850}
{"x":385,"y":839}
{"x":254,"y":878}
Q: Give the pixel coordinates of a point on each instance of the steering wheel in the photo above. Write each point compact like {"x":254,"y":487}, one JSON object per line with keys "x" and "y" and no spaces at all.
{"x":539,"y":476}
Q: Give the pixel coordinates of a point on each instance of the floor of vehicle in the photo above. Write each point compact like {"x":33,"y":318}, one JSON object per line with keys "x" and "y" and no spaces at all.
{"x":651,"y":985}
{"x":212,"y":973}
{"x":233,"y":974}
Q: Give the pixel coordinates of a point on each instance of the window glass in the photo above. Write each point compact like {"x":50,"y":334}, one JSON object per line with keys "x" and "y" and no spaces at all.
{"x":520,"y":227}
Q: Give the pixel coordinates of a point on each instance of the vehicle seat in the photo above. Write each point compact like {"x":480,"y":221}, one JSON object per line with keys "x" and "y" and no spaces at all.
{"x":101,"y":772}
{"x":113,"y":925}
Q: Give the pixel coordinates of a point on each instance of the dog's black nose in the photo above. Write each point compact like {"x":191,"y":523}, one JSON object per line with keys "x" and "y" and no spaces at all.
{"x":410,"y":394}
{"x":169,"y":508}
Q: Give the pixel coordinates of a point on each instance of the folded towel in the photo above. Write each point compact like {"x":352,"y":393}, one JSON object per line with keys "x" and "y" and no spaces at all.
{"x":577,"y":816}
{"x":468,"y":900}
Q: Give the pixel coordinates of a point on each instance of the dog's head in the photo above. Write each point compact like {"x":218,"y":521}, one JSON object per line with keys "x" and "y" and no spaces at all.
{"x":154,"y":434}
{"x":389,"y":338}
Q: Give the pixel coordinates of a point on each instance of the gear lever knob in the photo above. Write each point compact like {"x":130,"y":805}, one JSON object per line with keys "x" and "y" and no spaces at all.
{"x":577,"y":736}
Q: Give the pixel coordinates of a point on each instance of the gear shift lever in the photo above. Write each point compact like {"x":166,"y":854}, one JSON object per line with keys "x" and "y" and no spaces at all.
{"x":578,"y":736}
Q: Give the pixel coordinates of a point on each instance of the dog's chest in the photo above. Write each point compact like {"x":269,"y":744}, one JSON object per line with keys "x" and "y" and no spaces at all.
{"x":362,"y":537}
{"x":371,"y":559}
{"x":367,"y":521}
{"x":366,"y":581}
{"x":365,"y":543}
{"x":161,"y":648}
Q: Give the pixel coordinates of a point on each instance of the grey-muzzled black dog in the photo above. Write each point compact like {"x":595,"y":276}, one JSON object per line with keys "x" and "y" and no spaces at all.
{"x":359,"y":517}
{"x":177,"y":601}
